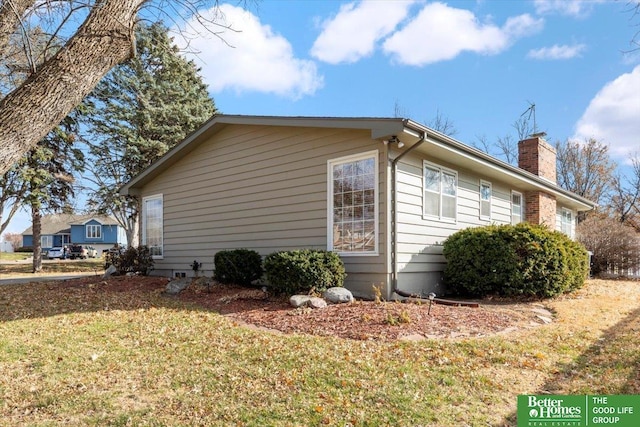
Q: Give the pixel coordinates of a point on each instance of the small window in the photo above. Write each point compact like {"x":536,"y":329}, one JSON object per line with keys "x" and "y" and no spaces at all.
{"x":440,"y":192}
{"x":566,"y":222}
{"x":516,"y":207}
{"x":94,"y":231}
{"x":353,"y":203}
{"x":485,"y":200}
{"x":152,"y":225}
{"x":46,"y":241}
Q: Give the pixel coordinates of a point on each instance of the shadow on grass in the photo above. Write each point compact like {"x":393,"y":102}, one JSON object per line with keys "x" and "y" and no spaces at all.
{"x":92,"y":293}
{"x":611,"y":365}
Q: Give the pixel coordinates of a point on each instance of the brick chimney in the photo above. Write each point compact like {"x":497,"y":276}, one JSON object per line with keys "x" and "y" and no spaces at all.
{"x":535,"y":155}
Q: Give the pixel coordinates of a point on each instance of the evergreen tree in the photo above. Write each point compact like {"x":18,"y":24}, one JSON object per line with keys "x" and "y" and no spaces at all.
{"x":48,"y":171}
{"x":140,"y":110}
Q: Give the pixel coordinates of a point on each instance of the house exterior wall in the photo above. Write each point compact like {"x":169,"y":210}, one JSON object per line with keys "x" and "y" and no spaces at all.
{"x":263,"y":188}
{"x":109,"y":235}
{"x":420,"y":238}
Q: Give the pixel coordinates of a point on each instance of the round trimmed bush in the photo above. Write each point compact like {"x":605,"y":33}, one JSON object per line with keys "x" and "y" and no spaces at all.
{"x":508,"y":260}
{"x":300,"y":271}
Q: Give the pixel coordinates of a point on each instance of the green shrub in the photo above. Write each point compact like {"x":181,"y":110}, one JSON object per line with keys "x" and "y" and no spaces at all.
{"x":132,"y":260}
{"x":238,"y":266}
{"x":508,"y":260}
{"x":300,"y":271}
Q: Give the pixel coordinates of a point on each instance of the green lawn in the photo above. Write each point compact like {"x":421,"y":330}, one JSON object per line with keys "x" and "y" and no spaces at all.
{"x":83,"y":356}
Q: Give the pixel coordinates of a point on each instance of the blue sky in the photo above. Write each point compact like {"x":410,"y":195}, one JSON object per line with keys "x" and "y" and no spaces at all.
{"x":477,"y":63}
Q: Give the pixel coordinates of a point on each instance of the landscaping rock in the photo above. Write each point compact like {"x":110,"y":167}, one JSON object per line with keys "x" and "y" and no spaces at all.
{"x":110,"y":272}
{"x":316,"y":302}
{"x":176,"y":286}
{"x":299,"y":300}
{"x":338,"y":295}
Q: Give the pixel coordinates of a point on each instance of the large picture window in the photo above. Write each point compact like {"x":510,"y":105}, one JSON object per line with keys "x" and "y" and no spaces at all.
{"x":353,"y":183}
{"x":440,"y":192}
{"x":152,"y":225}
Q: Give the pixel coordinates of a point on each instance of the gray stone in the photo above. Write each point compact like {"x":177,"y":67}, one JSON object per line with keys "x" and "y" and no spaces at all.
{"x":315,"y":302}
{"x":338,"y":295}
{"x":545,"y":320}
{"x":110,"y":272}
{"x":542,"y":312}
{"x":176,"y":286}
{"x":299,"y":300}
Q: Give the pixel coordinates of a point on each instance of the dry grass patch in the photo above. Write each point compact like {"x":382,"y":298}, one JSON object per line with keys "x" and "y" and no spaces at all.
{"x":124,"y":354}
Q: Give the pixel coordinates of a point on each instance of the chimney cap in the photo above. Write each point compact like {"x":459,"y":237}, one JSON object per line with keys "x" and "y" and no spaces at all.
{"x":538,"y":135}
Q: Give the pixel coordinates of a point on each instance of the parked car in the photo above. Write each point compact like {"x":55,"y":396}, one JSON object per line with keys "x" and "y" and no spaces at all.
{"x":91,"y":252}
{"x":77,"y":251}
{"x":54,"y":253}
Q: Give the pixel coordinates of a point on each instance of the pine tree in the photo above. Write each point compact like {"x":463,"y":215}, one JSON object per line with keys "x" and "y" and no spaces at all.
{"x":48,"y":170}
{"x":140,"y":110}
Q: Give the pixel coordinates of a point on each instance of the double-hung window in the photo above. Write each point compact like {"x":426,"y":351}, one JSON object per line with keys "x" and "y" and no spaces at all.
{"x":152,"y":225}
{"x":94,"y":231}
{"x":485,"y":200}
{"x":440,"y":192}
{"x":517,"y":203}
{"x":353,"y":204}
{"x":566,"y":222}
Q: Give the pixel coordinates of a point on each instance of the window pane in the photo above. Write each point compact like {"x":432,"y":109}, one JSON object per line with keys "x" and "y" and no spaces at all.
{"x":485,"y":209}
{"x":449,"y":207}
{"x":448,"y":184}
{"x":485,"y":192}
{"x":431,"y":204}
{"x":431,"y":179}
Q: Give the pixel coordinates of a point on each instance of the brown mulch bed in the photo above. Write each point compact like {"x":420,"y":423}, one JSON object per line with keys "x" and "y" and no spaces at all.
{"x":361,"y":320}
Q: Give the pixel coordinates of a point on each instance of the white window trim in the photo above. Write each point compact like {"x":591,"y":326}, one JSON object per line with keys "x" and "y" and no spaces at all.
{"x":486,"y":183}
{"x":93,"y":226}
{"x":348,"y":159}
{"x":144,"y":222}
{"x":522,"y":215}
{"x":439,"y":217}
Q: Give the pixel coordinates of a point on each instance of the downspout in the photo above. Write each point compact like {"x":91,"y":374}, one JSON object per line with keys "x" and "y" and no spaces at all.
{"x":394,"y":217}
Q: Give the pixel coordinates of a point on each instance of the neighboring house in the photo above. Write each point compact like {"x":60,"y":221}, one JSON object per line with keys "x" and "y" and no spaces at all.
{"x":383,"y":193}
{"x":101,"y":232}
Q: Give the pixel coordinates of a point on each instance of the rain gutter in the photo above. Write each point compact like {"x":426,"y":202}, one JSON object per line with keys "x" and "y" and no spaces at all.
{"x":394,"y":213}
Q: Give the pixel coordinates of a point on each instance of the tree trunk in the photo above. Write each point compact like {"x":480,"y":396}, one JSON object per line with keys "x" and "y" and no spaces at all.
{"x":29,"y":112}
{"x":36,"y":226}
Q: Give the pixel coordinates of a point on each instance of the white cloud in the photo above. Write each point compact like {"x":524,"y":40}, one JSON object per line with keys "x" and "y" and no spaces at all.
{"x":613,"y":115}
{"x":557,"y":52}
{"x":251,"y":58}
{"x":576,"y":8}
{"x":440,"y":33}
{"x":354,"y":31}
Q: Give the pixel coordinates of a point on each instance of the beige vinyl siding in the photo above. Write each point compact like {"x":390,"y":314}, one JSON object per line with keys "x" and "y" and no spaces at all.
{"x":261,"y":188}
